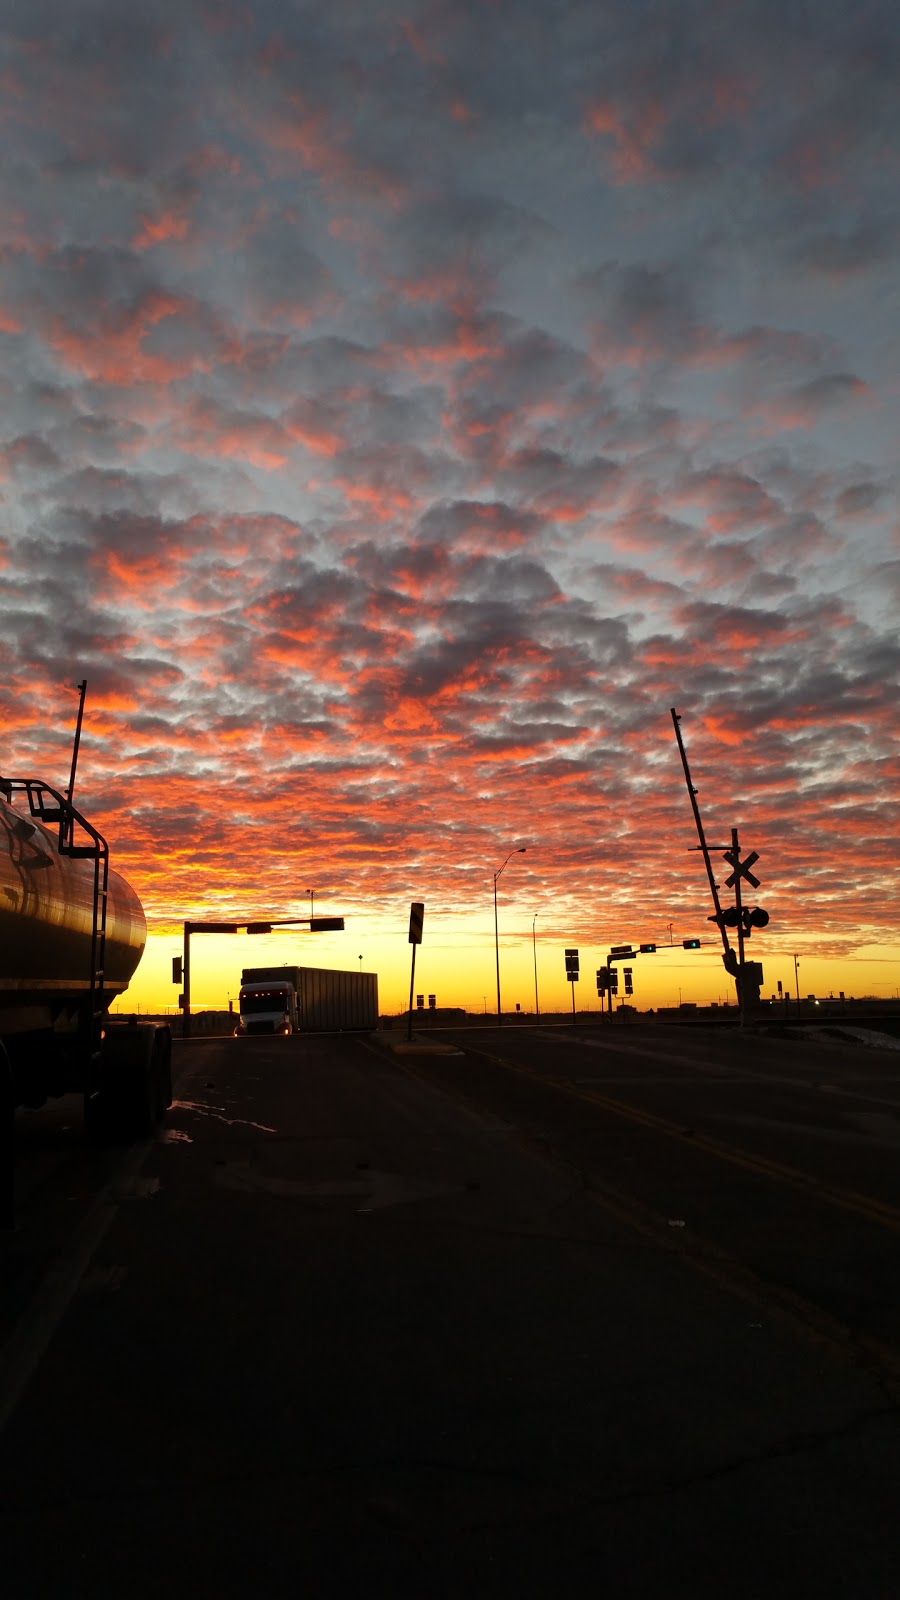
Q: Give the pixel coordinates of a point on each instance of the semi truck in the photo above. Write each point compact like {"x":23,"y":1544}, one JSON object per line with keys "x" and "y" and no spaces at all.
{"x":306,"y":1000}
{"x":72,"y":932}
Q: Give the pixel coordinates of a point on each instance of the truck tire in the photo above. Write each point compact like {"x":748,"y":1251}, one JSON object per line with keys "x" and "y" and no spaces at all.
{"x":164,"y":1043}
{"x":135,"y":1079}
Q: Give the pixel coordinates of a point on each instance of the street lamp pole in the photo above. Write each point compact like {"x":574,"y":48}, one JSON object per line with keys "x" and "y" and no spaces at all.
{"x":537,"y":1009}
{"x":520,"y":851}
{"x":312,"y":902}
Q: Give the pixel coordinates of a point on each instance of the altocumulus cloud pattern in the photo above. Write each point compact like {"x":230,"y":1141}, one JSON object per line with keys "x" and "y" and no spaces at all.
{"x":404,"y":405}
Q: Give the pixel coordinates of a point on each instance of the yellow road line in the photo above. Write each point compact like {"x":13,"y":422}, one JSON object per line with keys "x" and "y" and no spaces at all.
{"x":877,"y":1211}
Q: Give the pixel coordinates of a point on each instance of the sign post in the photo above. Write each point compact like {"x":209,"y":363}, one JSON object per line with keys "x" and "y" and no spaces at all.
{"x":416,"y":922}
{"x":572,"y":974}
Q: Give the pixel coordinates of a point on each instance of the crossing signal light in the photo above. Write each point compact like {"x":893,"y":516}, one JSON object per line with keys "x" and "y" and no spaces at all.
{"x":690,"y":944}
{"x":757,"y":918}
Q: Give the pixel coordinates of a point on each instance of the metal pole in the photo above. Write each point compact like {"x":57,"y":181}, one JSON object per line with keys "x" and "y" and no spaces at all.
{"x":797,"y":981}
{"x":573,"y":1000}
{"x":497,"y":942}
{"x":537,"y":1009}
{"x":186,"y":984}
{"x":82,"y":686}
{"x":412,"y":984}
{"x":736,"y":855}
{"x":713,"y":886}
{"x":519,"y":851}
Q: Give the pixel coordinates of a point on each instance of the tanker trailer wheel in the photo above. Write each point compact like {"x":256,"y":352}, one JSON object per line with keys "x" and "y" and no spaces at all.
{"x":164,"y":1049}
{"x":132,"y":1079}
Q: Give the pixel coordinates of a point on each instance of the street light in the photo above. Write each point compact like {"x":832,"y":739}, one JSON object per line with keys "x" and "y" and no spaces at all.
{"x":520,"y":851}
{"x":312,"y":901}
{"x":537,"y":1009}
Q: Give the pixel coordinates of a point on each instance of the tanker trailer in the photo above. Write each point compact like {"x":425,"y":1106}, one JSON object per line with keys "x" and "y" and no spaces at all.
{"x":71,"y":935}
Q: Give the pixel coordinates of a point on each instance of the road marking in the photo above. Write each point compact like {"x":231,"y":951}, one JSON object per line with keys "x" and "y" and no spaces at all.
{"x":801,"y":1318}
{"x":878,"y":1211}
{"x":30,"y":1338}
{"x":377,"y":1189}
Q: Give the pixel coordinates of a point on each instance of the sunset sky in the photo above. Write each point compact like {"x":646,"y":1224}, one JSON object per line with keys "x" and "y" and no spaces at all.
{"x":404,"y":406}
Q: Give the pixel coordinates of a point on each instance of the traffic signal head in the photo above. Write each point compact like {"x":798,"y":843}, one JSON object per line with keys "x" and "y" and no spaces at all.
{"x":647,"y":949}
{"x":177,"y":973}
{"x":730,"y":917}
{"x":629,"y":986}
{"x":690,"y":944}
{"x":259,"y":927}
{"x":613,"y":981}
{"x":758,"y":918}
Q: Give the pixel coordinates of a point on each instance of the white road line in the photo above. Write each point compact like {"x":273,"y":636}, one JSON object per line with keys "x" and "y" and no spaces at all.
{"x":27,"y":1344}
{"x":29,"y":1340}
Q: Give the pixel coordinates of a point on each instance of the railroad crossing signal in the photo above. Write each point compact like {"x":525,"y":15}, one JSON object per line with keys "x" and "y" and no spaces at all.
{"x":416,"y":920}
{"x":741,"y":868}
{"x":572,"y":966}
{"x":746,"y":919}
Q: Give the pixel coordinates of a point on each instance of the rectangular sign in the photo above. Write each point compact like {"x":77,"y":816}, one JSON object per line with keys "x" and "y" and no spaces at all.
{"x":416,"y":921}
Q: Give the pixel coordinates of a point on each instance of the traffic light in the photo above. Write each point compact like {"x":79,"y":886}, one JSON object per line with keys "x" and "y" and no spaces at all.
{"x":602,"y":980}
{"x":177,"y":973}
{"x":613,"y":981}
{"x":648,"y":949}
{"x":326,"y":924}
{"x":690,"y":944}
{"x":629,"y":986}
{"x":259,"y":927}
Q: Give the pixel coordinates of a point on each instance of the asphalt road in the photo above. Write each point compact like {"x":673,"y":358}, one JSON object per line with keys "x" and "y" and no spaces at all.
{"x":561,"y":1311}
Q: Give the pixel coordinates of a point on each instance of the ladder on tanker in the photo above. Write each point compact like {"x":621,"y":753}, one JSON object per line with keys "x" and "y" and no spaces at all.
{"x":55,"y":810}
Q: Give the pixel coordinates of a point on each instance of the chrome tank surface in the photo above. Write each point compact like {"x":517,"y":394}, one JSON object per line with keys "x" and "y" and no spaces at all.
{"x":46,"y":917}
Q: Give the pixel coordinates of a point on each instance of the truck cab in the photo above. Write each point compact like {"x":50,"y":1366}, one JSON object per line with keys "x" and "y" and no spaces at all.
{"x":267,"y":1007}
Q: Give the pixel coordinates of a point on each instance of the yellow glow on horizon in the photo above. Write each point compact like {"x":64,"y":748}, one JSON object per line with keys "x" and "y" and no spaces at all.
{"x":460,"y":969}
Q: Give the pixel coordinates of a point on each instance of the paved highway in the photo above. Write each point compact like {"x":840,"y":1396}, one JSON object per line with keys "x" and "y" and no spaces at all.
{"x":558,"y":1310}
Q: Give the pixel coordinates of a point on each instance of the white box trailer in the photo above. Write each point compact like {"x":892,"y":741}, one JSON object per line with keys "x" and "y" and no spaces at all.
{"x":325,"y":1001}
